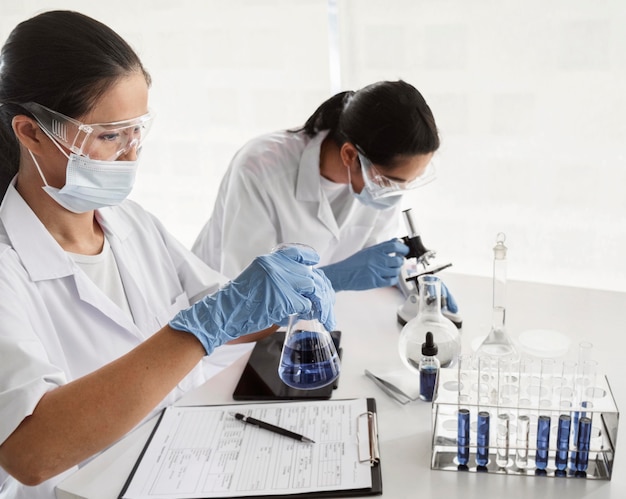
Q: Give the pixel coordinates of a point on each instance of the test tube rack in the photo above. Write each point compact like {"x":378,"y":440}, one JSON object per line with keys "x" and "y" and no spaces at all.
{"x":489,"y":421}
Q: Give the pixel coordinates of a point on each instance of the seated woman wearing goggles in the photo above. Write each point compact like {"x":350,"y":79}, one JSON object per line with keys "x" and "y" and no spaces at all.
{"x":334,"y":184}
{"x":105,"y":317}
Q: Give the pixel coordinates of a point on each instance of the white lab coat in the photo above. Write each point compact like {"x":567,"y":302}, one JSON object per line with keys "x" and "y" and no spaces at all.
{"x":55,"y":323}
{"x":271,"y":194}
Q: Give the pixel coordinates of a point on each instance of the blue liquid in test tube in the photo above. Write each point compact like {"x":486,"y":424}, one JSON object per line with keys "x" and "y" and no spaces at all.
{"x":584,"y":439}
{"x":463,"y":437}
{"x":562,"y":442}
{"x":543,"y":442}
{"x":576,"y":427}
{"x":482,"y":439}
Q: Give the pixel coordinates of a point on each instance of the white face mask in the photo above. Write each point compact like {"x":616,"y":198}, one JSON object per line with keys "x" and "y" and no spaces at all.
{"x":365,"y":197}
{"x":91,"y":184}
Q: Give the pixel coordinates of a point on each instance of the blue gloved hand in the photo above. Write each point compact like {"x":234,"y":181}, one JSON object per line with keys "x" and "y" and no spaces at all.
{"x":372,"y":267}
{"x":270,"y":289}
{"x":447,"y":300}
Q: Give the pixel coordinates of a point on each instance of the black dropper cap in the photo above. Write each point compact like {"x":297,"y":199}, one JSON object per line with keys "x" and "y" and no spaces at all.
{"x":429,"y":347}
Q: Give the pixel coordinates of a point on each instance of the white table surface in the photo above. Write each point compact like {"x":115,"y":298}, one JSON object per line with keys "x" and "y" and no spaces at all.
{"x":370,"y":338}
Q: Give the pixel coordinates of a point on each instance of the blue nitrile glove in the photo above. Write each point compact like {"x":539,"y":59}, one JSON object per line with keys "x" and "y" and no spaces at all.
{"x":372,"y":267}
{"x":447,"y":300}
{"x":270,"y":289}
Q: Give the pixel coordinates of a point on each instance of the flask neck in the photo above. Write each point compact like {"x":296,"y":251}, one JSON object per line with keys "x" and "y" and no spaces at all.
{"x":430,"y":305}
{"x":498,"y":317}
{"x":310,"y":325}
{"x":430,"y":297}
{"x":498,"y":314}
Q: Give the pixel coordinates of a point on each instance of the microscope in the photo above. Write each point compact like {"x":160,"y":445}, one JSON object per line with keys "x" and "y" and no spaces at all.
{"x":418,"y":262}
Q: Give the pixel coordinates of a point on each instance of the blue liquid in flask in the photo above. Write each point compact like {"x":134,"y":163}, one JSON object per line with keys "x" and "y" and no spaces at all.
{"x":309,"y":360}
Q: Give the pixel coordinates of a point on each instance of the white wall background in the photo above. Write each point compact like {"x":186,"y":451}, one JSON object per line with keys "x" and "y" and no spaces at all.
{"x":529,"y":96}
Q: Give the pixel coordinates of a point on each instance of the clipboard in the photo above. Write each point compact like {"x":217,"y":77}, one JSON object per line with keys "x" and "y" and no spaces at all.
{"x":368,"y":452}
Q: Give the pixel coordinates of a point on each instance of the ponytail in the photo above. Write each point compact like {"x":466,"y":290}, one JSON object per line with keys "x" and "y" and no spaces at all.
{"x":326,"y":116}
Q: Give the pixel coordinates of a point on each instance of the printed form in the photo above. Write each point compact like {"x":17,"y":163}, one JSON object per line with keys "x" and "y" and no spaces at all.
{"x":198,"y":452}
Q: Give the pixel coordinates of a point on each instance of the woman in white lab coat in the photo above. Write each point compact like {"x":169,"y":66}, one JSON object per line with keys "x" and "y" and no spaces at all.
{"x":104,"y":317}
{"x":334,"y":184}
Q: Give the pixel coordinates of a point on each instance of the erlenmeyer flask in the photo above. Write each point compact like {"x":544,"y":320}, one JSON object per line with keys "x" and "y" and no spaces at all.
{"x":309,"y":358}
{"x":497,"y":343}
{"x":429,"y":319}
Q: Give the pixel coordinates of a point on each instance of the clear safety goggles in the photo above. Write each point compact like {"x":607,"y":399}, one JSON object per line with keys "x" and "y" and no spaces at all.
{"x":381,"y":186}
{"x":103,"y":141}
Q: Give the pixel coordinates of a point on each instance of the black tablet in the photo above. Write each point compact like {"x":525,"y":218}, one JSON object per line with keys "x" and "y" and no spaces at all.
{"x":260,"y":381}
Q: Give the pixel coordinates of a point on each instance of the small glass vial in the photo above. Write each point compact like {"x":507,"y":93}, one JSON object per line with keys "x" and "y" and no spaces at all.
{"x":428,"y":368}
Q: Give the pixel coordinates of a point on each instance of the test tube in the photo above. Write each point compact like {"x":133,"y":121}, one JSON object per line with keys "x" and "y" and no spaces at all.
{"x":585,"y":377}
{"x":464,"y":383}
{"x":543,"y":442}
{"x":523,"y":441}
{"x":506,"y":391}
{"x":463,"y":438}
{"x":585,"y":381}
{"x":487,"y":392}
{"x":525,"y":373}
{"x":482,"y":439}
{"x":545,"y":383}
{"x":585,"y":349}
{"x":533,"y":380}
{"x":507,"y":383}
{"x":584,"y":438}
{"x":566,"y":387}
{"x":562,"y":442}
{"x":589,"y":372}
{"x":502,"y":440}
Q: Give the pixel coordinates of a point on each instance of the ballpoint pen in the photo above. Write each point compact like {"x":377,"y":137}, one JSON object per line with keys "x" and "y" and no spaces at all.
{"x":272,"y":428}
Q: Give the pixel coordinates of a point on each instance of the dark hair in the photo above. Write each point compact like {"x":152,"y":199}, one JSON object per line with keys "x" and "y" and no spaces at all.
{"x":385,"y":120}
{"x":63,"y":60}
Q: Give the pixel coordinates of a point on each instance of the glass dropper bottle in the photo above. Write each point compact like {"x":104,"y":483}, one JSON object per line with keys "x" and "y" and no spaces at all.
{"x":497,"y":343}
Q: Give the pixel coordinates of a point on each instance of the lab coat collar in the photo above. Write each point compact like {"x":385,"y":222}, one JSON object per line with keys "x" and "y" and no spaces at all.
{"x":43,"y":260}
{"x":308,"y":184}
{"x":46,"y":259}
{"x":113,"y":224}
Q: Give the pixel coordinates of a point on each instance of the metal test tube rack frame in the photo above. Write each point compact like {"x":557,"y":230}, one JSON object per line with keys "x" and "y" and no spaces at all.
{"x":508,"y":404}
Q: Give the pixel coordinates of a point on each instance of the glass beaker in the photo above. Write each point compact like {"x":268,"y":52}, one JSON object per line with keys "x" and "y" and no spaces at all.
{"x":429,"y":319}
{"x":309,"y":358}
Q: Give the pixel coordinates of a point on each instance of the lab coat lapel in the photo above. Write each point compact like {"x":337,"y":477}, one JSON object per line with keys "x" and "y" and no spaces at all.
{"x":118,"y":231}
{"x":91,"y":294}
{"x":44,"y":259}
{"x":40,"y":254}
{"x":308,"y":186}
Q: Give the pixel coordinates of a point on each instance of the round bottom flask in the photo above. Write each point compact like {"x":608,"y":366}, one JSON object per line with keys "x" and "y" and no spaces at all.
{"x":309,"y":358}
{"x":429,"y":319}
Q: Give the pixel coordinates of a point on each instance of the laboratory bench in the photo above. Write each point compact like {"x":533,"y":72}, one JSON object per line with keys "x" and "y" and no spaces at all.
{"x":370,"y":341}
